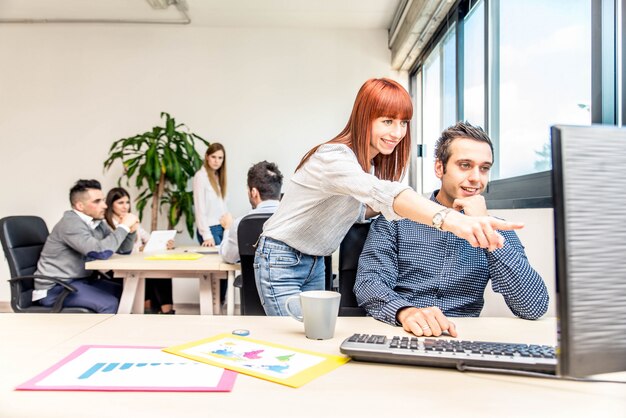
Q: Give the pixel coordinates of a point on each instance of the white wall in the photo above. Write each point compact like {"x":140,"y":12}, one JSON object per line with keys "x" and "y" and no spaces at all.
{"x":68,"y":91}
{"x":537,"y":236}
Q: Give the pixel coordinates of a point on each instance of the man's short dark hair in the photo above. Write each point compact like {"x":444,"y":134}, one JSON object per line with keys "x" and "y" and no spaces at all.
{"x":460,"y":130}
{"x":81,"y":186}
{"x":267,"y":179}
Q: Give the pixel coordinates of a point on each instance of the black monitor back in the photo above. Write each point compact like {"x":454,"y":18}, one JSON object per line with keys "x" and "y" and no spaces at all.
{"x":589,"y":192}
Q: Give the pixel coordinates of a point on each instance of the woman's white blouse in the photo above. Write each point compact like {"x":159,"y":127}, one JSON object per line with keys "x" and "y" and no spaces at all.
{"x":208,"y":206}
{"x":325,"y":197}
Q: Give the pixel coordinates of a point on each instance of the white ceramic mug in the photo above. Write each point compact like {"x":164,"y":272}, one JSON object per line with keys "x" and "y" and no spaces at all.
{"x":319,"y":312}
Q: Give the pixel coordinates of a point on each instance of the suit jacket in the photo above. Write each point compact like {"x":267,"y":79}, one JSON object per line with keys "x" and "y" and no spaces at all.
{"x":72,"y":243}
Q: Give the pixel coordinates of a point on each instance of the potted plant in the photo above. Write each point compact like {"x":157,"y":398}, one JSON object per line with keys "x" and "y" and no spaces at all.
{"x":161,"y":161}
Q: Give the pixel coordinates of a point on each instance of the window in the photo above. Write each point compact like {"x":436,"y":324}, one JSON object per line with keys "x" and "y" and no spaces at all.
{"x":431,"y":116}
{"x":474,"y":67}
{"x":514,"y":68}
{"x":439,"y":92}
{"x":545,"y":78}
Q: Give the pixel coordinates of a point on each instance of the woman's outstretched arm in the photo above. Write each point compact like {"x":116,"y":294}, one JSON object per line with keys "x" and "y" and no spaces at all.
{"x":479,"y":231}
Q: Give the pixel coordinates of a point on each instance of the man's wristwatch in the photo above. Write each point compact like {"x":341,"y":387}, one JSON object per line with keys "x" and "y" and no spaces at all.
{"x":439,"y":217}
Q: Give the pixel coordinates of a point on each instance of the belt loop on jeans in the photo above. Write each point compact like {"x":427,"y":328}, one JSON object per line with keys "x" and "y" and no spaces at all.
{"x":257,"y":241}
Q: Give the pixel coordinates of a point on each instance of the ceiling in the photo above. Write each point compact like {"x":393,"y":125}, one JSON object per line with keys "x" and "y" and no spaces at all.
{"x":342,"y":14}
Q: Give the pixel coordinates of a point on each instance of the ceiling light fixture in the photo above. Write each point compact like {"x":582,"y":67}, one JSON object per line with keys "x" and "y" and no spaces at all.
{"x":181,"y":6}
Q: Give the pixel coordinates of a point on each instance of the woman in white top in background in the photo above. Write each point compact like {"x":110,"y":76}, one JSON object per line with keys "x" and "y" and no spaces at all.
{"x":209,"y":192}
{"x":158,"y":291}
{"x":352,"y":177}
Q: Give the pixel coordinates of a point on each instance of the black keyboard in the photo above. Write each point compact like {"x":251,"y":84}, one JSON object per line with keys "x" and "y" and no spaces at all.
{"x":450,"y":353}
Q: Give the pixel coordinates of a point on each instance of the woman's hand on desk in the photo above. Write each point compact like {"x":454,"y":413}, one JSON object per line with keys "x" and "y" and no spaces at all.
{"x":425,"y":322}
{"x":170,"y":244}
{"x":208,"y":242}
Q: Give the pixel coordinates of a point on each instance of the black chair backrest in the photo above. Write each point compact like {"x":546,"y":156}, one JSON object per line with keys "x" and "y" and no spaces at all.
{"x":248,"y":233}
{"x":349,"y":253}
{"x":23,"y":238}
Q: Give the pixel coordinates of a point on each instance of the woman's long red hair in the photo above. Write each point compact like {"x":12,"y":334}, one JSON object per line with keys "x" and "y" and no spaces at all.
{"x":377,"y":97}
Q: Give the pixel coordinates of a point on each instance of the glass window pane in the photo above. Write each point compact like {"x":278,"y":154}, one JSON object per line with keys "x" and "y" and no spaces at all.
{"x":474,"y":66}
{"x":545,"y":78}
{"x":431,"y":117}
{"x":449,"y":79}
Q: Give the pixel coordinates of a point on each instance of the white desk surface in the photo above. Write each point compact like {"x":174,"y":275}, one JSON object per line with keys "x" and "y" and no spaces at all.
{"x":33,"y":342}
{"x":137,"y":261}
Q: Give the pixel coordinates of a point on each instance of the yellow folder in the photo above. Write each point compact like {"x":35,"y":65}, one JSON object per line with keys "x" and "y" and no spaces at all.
{"x":274,"y":362}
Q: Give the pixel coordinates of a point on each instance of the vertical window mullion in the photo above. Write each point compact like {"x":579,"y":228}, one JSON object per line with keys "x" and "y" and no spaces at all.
{"x":415,"y":167}
{"x":460,"y":62}
{"x":621,"y":67}
{"x":492,"y":80}
{"x":441,"y":87}
{"x":603,"y":62}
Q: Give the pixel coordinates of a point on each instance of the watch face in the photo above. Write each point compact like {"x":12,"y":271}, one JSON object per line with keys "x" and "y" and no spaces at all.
{"x":437,"y":219}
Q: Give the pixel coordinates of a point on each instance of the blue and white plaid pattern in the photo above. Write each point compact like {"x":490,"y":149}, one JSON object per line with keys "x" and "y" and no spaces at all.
{"x":405,"y":263}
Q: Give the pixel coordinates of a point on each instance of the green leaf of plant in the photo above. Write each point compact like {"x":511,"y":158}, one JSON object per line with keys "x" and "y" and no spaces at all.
{"x":168,"y":150}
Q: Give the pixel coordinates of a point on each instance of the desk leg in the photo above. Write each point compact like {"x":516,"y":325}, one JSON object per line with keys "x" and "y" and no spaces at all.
{"x":206,"y":294}
{"x":131,"y":284}
{"x":230,"y":294}
{"x":139,"y":303}
{"x":215,"y":286}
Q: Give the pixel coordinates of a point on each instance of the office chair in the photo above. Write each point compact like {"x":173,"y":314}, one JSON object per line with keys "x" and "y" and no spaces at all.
{"x":349,"y":253}
{"x":250,"y":229}
{"x":248,"y":233}
{"x":328,"y":272}
{"x":23,"y":238}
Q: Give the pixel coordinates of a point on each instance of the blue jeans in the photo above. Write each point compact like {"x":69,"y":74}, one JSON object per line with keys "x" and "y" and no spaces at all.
{"x":216,"y":230}
{"x":282,"y":271}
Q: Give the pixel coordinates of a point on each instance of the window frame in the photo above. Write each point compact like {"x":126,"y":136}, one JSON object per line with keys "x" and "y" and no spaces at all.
{"x":608,"y":99}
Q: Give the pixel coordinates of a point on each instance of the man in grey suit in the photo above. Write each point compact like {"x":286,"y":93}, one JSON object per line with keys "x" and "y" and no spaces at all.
{"x":81,"y":236}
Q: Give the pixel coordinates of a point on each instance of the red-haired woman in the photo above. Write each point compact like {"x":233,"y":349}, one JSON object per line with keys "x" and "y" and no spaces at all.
{"x":352,"y":177}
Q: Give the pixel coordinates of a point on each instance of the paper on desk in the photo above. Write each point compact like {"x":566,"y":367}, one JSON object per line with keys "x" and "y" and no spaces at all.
{"x":174,"y":256}
{"x":277,"y":363}
{"x":158,"y":240}
{"x":129,"y":368}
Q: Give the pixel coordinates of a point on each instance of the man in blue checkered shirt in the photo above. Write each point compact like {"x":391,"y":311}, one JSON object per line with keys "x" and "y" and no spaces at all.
{"x":415,"y":275}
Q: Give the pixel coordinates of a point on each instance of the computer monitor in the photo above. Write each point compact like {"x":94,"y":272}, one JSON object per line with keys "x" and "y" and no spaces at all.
{"x":589,"y":193}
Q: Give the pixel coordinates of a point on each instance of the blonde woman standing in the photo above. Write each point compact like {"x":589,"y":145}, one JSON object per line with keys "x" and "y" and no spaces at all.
{"x":209,"y":192}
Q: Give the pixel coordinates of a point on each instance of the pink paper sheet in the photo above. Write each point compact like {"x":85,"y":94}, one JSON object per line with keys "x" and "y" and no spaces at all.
{"x":130,"y":368}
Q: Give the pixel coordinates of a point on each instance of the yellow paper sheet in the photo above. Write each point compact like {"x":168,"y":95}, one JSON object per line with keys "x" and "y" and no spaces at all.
{"x":274,"y":362}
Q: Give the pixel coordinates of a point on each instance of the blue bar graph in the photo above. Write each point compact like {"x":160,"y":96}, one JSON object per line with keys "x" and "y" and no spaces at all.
{"x":110,"y":367}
